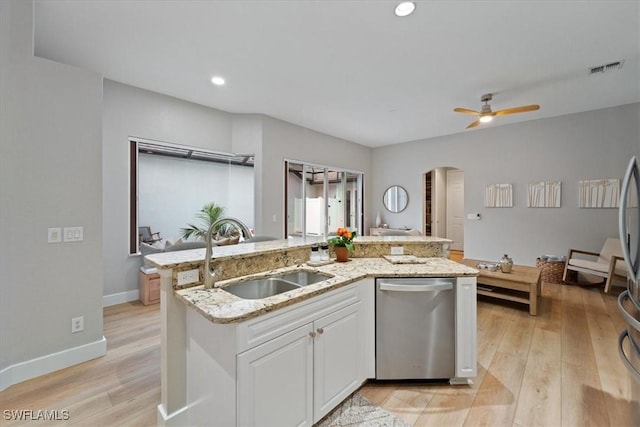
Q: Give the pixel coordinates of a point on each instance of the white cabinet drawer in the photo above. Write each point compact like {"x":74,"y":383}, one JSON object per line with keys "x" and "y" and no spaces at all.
{"x":269,"y":326}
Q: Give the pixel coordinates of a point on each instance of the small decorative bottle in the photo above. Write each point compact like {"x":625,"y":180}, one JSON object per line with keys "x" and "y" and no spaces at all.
{"x":506,"y":263}
{"x":378,"y":220}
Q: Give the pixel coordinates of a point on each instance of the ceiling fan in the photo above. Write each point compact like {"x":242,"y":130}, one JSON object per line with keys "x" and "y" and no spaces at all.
{"x":486,"y":115}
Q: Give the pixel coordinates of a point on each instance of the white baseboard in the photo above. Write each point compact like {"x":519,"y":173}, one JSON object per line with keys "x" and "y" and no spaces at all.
{"x":121,"y":297}
{"x":177,"y":418}
{"x":24,"y":371}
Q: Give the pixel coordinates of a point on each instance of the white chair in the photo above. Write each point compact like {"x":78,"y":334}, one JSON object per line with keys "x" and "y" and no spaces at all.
{"x":608,"y":263}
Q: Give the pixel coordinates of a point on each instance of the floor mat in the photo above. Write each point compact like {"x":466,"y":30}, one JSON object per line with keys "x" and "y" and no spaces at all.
{"x":358,"y":411}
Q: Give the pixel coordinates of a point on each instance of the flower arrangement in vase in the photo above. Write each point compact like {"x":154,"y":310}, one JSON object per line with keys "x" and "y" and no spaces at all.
{"x":343,"y":243}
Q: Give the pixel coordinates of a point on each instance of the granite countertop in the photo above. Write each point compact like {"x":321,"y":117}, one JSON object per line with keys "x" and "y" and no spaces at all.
{"x":194,"y":256}
{"x":220,"y":306}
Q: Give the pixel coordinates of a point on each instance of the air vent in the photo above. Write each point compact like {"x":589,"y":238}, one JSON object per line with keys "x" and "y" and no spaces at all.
{"x":612,"y":66}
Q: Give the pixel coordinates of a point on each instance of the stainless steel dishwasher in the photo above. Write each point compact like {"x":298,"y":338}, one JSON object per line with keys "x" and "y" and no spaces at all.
{"x":415,"y":328}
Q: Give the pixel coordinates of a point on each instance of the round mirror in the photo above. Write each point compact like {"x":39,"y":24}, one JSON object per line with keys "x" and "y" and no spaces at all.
{"x":395,"y":199}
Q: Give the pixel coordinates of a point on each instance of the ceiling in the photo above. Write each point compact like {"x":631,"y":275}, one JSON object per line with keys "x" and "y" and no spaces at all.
{"x":352,"y":69}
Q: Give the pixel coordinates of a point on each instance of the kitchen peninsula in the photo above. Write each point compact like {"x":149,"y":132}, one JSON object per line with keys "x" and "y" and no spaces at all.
{"x":228,"y":360}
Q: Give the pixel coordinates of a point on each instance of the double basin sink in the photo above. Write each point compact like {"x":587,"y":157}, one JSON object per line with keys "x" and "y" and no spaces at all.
{"x":274,"y":285}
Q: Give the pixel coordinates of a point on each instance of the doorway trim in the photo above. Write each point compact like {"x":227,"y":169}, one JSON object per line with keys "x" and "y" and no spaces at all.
{"x":434,"y":203}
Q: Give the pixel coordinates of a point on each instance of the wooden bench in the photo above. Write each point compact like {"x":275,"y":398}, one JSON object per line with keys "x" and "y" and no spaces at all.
{"x":521,"y":285}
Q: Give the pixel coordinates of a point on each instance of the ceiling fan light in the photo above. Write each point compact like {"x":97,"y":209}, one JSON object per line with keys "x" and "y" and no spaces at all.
{"x":217,"y":80}
{"x":405,"y":8}
{"x":486,"y":119}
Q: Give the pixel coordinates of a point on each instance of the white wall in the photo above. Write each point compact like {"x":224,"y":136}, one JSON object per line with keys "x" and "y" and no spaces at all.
{"x":246,"y":131}
{"x":50,"y":176}
{"x":171,"y":191}
{"x":130,"y":111}
{"x":240,"y":197}
{"x":282,"y":140}
{"x":594,"y":144}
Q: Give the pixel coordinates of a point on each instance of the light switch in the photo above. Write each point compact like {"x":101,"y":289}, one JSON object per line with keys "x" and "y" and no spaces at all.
{"x":73,"y":234}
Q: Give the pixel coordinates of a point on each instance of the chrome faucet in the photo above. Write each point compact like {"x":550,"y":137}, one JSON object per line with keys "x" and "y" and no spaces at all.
{"x":208,"y":274}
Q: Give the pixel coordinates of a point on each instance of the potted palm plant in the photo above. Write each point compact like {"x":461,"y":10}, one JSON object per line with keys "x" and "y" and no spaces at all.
{"x":209,"y":214}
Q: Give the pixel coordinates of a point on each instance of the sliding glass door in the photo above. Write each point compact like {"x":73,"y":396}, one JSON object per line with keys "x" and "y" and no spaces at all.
{"x":320,"y":199}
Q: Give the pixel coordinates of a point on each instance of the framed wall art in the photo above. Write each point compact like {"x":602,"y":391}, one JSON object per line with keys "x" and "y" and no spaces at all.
{"x":498,"y":196}
{"x":544,"y":194}
{"x":599,"y":193}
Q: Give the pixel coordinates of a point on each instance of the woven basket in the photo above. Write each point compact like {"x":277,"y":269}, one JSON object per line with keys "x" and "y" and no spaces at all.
{"x":551,"y":272}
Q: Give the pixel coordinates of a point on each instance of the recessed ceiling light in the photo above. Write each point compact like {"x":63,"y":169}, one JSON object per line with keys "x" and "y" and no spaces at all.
{"x":217,"y":80}
{"x":405,"y":8}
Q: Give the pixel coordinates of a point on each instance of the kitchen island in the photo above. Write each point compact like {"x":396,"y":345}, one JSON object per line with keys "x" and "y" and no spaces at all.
{"x":224,"y":357}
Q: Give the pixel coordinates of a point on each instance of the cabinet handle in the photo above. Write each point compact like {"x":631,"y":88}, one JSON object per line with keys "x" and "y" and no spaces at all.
{"x":320,"y":330}
{"x":312,"y":334}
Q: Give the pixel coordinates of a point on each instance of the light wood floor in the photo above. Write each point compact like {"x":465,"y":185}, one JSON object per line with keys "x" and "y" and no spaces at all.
{"x":120,"y":389}
{"x":560,"y":368}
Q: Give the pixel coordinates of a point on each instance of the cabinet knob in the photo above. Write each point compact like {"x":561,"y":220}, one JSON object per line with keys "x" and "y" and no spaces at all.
{"x":320,"y":330}
{"x":312,"y":334}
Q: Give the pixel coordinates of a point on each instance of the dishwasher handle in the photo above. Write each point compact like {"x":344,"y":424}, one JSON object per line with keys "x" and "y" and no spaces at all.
{"x":434,"y":287}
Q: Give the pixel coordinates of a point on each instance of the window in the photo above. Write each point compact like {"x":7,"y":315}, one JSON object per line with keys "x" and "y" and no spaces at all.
{"x":320,"y":199}
{"x":170,"y":183}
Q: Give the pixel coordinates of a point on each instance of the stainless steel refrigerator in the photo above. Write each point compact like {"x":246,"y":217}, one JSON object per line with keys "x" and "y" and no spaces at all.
{"x":629,"y":300}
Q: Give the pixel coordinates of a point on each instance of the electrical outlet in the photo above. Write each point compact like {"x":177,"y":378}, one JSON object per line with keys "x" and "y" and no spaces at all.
{"x":189,"y":276}
{"x":77,"y":324}
{"x":397,"y":250}
{"x":54,"y":235}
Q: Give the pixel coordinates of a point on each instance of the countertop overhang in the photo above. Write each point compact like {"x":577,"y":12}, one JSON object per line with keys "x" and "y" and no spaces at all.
{"x":220,"y":306}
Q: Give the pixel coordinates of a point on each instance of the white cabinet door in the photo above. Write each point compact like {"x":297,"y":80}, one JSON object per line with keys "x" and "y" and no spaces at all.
{"x":338,"y":353}
{"x":275,"y":381}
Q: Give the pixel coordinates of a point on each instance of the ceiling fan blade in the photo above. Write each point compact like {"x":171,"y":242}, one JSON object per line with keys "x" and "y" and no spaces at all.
{"x":522,"y":109}
{"x":466,"y":111}
{"x":474,"y":124}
